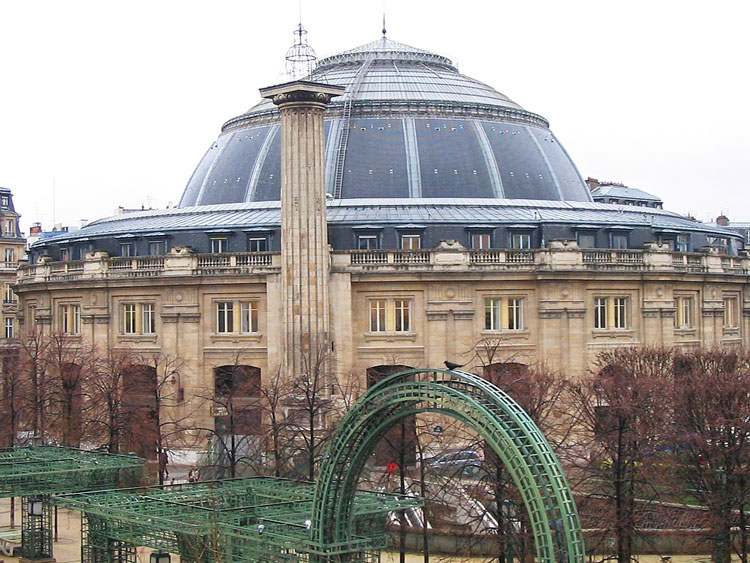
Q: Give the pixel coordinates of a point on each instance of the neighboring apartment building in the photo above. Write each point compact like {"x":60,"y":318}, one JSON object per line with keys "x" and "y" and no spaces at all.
{"x":12,"y":249}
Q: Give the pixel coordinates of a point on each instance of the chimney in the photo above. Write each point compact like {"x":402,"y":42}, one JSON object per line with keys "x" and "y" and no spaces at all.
{"x":304,"y":228}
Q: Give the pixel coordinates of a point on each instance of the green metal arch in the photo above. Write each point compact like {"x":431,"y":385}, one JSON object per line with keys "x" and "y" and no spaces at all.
{"x":520,"y":445}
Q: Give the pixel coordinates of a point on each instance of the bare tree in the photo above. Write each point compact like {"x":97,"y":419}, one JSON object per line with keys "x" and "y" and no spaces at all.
{"x":69,"y":366}
{"x":34,"y":364}
{"x":712,"y":431}
{"x":13,"y":395}
{"x":622,"y":416}
{"x":107,"y":419}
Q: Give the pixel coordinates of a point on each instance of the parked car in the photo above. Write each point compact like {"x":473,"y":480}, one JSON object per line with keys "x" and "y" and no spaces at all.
{"x":459,"y":463}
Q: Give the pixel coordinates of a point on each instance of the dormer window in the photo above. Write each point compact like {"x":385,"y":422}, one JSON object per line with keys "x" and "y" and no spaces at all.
{"x":10,"y":228}
{"x":4,"y":201}
{"x":219,"y":245}
{"x":411,"y":242}
{"x":127,"y":249}
{"x":257,"y":244}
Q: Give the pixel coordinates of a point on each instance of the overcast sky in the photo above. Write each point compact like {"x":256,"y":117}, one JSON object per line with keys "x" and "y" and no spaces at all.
{"x":114,"y":103}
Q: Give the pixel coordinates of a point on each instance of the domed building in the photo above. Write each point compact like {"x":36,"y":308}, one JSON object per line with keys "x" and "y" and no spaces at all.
{"x":455,"y":222}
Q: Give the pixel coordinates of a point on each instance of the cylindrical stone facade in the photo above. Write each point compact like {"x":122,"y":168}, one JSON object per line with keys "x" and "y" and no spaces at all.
{"x":304,"y":232}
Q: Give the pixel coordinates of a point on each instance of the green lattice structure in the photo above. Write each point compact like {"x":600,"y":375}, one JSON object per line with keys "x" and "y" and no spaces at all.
{"x":239,"y":520}
{"x":491,"y":412}
{"x":264,"y":519}
{"x":37,"y":472}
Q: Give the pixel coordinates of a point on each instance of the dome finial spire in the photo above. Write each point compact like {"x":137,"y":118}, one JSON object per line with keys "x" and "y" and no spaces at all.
{"x":383,"y":20}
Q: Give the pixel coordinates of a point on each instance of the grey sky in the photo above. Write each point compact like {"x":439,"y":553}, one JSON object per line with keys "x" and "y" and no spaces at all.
{"x":117,"y":101}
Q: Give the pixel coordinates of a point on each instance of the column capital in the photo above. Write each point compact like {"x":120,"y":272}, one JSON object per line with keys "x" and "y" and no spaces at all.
{"x":301,"y":91}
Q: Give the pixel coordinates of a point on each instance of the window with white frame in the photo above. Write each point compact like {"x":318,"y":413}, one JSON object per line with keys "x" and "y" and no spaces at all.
{"x":138,"y":318}
{"x":503,"y":313}
{"x":257,"y":244}
{"x":10,"y":295}
{"x":731,"y":312}
{"x":157,"y":247}
{"x":411,"y":242}
{"x":685,"y":316}
{"x":10,"y":256}
{"x":682,"y":243}
{"x":10,"y":327}
{"x":219,"y":245}
{"x":129,"y":318}
{"x":70,"y":318}
{"x":64,"y":254}
{"x":586,"y":240}
{"x":10,"y":228}
{"x":237,"y":316}
{"x":481,"y":241}
{"x":619,"y":241}
{"x":127,"y":249}
{"x":520,"y":240}
{"x":249,"y":316}
{"x":390,"y":315}
{"x":225,"y":316}
{"x":610,"y":312}
{"x":367,"y":242}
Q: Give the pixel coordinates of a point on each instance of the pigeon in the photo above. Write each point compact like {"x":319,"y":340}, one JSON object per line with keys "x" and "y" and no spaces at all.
{"x":452,"y":365}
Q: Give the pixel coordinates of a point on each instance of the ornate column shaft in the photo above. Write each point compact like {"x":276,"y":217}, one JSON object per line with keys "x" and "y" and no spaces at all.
{"x":304,"y":231}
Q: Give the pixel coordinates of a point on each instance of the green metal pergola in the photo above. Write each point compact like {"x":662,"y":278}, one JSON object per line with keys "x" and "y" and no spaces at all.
{"x":498,"y":419}
{"x":35,"y":473}
{"x":238,"y":520}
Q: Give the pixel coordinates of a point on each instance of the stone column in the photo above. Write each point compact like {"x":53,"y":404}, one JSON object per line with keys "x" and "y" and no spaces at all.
{"x":304,"y":232}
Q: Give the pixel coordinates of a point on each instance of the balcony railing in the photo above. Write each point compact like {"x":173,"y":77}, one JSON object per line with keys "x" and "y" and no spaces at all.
{"x":441,"y":258}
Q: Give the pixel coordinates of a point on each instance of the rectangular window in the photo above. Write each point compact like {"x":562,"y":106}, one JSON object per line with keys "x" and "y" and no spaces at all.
{"x":64,"y":255}
{"x":481,"y":241}
{"x":5,"y":201}
{"x":219,"y":245}
{"x":10,"y":256}
{"x":10,"y":228}
{"x":225,"y":316}
{"x":377,"y":315}
{"x":128,"y":318}
{"x":249,"y":312}
{"x":503,"y":313}
{"x":10,"y":296}
{"x":731,"y":312}
{"x":402,"y":321}
{"x":586,"y":240}
{"x":684,"y":305}
{"x":70,"y":319}
{"x":390,"y":315}
{"x":10,"y":327}
{"x":367,"y":242}
{"x":127,"y":249}
{"x":148,"y":325}
{"x":257,"y":244}
{"x":600,"y":312}
{"x":520,"y":240}
{"x":157,"y":247}
{"x":619,"y":242}
{"x":683,"y":243}
{"x":610,"y":312}
{"x":411,"y":242}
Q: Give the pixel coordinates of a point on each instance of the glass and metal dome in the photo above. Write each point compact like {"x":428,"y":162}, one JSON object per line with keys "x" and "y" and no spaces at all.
{"x":409,"y":126}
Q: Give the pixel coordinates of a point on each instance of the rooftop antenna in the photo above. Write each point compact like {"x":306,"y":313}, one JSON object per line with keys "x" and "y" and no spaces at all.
{"x":300,"y":58}
{"x":384,"y":31}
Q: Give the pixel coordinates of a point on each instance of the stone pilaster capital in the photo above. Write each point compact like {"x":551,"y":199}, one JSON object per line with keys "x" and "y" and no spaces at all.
{"x":301,"y":92}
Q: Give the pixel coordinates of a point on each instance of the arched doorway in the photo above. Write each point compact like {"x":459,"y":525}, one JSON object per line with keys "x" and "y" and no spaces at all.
{"x":492,"y":413}
{"x":399,"y":443}
{"x":140,"y":409}
{"x":237,"y":418}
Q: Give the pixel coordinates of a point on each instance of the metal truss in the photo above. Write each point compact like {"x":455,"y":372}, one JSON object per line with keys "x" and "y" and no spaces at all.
{"x":35,"y":473}
{"x":45,"y":470}
{"x":510,"y":432}
{"x":239,"y":520}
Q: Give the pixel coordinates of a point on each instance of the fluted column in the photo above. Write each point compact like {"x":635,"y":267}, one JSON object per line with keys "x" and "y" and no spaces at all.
{"x":304,"y":231}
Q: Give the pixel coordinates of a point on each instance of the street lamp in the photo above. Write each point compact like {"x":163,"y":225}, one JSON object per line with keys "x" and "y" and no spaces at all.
{"x":160,"y":557}
{"x":36,"y":507}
